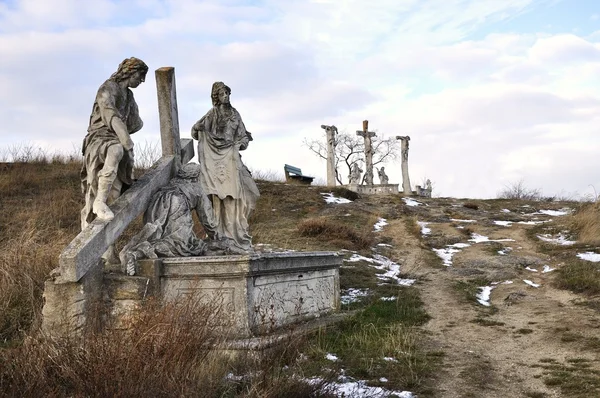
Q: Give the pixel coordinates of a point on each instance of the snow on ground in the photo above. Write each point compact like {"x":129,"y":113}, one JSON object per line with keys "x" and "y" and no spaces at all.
{"x":390,"y":359}
{"x":554,"y":213}
{"x":411,"y":202}
{"x":503,"y":223}
{"x":505,"y":251}
{"x":530,"y":283}
{"x":329,"y":198}
{"x":391,"y":298}
{"x":384,"y":245}
{"x":424,"y":229}
{"x":483,"y":297}
{"x":528,"y":268}
{"x":331,"y":357}
{"x":446,"y":255}
{"x":353,"y":295}
{"x":589,"y":256}
{"x":358,"y":389}
{"x":502,"y":283}
{"x":559,"y":240}
{"x":392,"y":269}
{"x":505,"y":211}
{"x":547,"y":269}
{"x":533,"y":222}
{"x":457,"y":220}
{"x":381,"y":222}
{"x":476,"y":238}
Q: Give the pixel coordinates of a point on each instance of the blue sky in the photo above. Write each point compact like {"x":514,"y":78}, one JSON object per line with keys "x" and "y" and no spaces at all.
{"x":490,"y":91}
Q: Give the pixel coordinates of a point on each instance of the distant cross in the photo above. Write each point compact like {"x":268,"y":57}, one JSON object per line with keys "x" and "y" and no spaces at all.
{"x":366,"y":134}
{"x":331,"y":143}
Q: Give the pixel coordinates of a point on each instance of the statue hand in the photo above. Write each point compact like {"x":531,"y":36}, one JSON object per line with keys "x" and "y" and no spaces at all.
{"x":128,"y":145}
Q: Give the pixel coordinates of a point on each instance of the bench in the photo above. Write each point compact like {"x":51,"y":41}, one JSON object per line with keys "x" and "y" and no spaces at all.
{"x":294,"y":175}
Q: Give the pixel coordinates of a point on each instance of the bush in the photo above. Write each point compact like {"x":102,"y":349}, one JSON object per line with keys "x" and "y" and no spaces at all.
{"x":518,"y":190}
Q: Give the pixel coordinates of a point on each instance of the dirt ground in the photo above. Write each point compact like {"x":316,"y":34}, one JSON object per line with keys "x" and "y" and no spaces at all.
{"x":500,"y":350}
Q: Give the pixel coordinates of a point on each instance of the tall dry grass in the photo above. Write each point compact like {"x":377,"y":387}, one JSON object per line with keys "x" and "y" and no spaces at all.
{"x":585,"y":222}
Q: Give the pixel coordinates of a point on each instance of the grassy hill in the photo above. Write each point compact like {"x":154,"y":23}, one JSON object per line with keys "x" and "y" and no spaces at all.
{"x":413,"y":324}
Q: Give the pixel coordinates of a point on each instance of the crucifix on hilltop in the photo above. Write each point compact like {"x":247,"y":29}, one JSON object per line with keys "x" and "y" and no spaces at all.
{"x":331,"y":143}
{"x":366,"y":134}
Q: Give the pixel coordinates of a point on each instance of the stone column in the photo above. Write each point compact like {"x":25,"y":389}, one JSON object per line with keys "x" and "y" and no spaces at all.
{"x":404,"y":151}
{"x":331,"y":143}
{"x":368,"y":151}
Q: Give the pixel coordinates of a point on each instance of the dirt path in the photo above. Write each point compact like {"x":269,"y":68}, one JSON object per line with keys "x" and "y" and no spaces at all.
{"x":525,"y":327}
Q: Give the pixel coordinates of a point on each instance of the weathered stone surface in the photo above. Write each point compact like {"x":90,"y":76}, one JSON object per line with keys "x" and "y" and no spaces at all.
{"x":367,"y":135}
{"x":168,"y":113}
{"x":331,"y":144}
{"x":374,"y":189}
{"x":404,"y":154}
{"x":260,"y":292}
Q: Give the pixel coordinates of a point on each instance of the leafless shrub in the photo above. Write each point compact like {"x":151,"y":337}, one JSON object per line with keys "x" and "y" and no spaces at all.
{"x":327,"y":229}
{"x":146,"y":154}
{"x":518,"y":190}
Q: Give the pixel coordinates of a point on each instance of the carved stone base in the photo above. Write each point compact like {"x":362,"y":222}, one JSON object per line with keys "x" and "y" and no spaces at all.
{"x":381,"y":189}
{"x":257,"y":293}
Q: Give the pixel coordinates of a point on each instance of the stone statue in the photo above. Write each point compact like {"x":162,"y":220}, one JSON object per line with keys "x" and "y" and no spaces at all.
{"x":226,"y":181}
{"x":107,"y":148}
{"x":168,"y":224}
{"x":428,"y":185}
{"x":383,"y":178}
{"x":355,"y":174}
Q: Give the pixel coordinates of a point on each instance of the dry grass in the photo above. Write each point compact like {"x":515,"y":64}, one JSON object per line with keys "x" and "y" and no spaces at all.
{"x":586,"y":223}
{"x":330,"y":230}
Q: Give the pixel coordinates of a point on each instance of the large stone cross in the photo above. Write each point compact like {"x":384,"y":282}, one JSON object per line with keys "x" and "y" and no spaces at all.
{"x":366,"y":134}
{"x":331,"y":143}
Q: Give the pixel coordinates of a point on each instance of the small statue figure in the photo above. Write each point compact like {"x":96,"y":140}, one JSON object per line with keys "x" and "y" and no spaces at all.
{"x":428,"y":185}
{"x":226,"y":181}
{"x":355,"y":174}
{"x":168,"y":224}
{"x":107,"y":148}
{"x":383,"y":178}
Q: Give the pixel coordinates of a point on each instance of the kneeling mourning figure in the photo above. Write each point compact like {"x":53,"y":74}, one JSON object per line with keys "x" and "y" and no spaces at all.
{"x":220,"y":189}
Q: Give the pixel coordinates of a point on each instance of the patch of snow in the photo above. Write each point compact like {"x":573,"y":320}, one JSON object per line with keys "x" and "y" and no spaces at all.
{"x":390,"y":359}
{"x":457,"y":220}
{"x":503,"y":223}
{"x":531,"y":222}
{"x":353,"y":295}
{"x":554,"y":213}
{"x":476,"y":238}
{"x":331,"y":357}
{"x":380,"y":224}
{"x":528,"y":268}
{"x":505,"y":211}
{"x":384,"y":244}
{"x":505,"y":251}
{"x":483,"y":297}
{"x":446,"y":255}
{"x":460,"y":227}
{"x":530,"y":283}
{"x":359,"y":389}
{"x":589,"y":256}
{"x":502,"y":283}
{"x":347,"y":215}
{"x":383,"y":263}
{"x":383,"y":380}
{"x":459,"y":245}
{"x":392,"y":298}
{"x":232,"y":377}
{"x":424,"y":229}
{"x":329,"y":198}
{"x":559,"y":240}
{"x":547,"y":269}
{"x":411,"y":202}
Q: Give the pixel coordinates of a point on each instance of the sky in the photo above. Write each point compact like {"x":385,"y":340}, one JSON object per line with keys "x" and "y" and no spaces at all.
{"x":491,"y":92}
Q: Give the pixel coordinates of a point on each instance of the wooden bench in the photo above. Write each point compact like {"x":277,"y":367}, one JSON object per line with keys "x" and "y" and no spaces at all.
{"x":294,"y":175}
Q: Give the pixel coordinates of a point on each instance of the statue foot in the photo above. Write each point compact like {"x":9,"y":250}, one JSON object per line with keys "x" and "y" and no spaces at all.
{"x":101,"y":210}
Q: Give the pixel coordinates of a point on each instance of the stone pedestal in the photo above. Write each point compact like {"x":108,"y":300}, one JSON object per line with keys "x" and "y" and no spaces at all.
{"x":381,"y":189}
{"x":258,"y":293}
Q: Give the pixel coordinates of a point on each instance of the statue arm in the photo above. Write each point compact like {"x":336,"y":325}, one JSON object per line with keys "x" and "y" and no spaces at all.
{"x":203,"y":125}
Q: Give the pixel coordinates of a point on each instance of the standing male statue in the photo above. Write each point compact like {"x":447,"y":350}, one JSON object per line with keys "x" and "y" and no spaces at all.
{"x":232,"y":192}
{"x":107,"y":147}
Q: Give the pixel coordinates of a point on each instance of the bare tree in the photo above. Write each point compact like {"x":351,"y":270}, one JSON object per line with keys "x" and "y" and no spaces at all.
{"x":349,"y":149}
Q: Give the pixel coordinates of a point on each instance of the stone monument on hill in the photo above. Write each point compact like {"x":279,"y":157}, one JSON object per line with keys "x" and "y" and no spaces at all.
{"x":404,"y":156}
{"x":331,"y":132}
{"x":367,"y":135}
{"x":257,"y":292}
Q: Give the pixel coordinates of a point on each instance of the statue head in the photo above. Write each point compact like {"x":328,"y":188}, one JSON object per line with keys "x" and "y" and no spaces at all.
{"x":220,"y":93}
{"x":131,"y":68}
{"x":190,"y":171}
